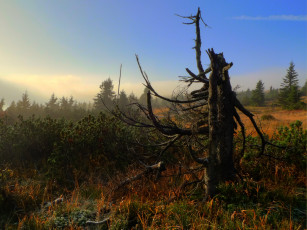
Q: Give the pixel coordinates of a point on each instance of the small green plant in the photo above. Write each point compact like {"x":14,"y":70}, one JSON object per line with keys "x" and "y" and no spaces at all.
{"x":294,"y":139}
{"x":74,"y":218}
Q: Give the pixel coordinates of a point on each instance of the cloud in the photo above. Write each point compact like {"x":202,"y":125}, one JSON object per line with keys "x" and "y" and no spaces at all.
{"x":82,"y":89}
{"x":165,"y":88}
{"x":44,"y":86}
{"x":273,"y":18}
{"x":85,"y":89}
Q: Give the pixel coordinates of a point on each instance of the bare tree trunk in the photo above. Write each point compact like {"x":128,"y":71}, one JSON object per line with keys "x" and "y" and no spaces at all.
{"x":221,"y":124}
{"x":222,"y":103}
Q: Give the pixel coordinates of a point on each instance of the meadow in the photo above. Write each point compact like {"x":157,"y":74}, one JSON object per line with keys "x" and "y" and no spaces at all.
{"x":269,"y":119}
{"x":58,"y":174}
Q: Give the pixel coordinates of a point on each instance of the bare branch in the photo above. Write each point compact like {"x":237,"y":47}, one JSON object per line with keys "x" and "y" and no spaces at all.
{"x":194,"y":107}
{"x":149,"y":86}
{"x":92,"y":222}
{"x":238,"y":119}
{"x":170,"y":143}
{"x":168,"y":130}
{"x":187,"y":17}
{"x":159,"y":167}
{"x":203,"y":161}
{"x":175,"y":138}
{"x":198,"y":43}
{"x":202,"y":79}
{"x":129,"y":120}
{"x":206,"y":25}
{"x":250,"y":116}
{"x":120,"y":76}
{"x":202,"y":92}
{"x":188,"y":23}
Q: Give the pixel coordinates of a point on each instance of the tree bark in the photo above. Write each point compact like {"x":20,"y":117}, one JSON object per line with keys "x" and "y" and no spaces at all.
{"x":221,"y":124}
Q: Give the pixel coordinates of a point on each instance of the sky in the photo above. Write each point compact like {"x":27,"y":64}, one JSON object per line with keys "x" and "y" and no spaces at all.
{"x":68,"y":47}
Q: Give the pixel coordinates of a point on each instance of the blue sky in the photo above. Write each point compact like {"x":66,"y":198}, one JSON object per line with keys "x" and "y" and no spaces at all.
{"x":69,"y":47}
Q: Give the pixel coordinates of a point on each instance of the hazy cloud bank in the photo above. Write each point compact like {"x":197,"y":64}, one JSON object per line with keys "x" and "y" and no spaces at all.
{"x":84,"y":89}
{"x":40,"y":88}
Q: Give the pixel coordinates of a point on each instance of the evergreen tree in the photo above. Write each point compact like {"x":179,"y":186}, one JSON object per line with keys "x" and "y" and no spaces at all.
{"x":52,"y":103}
{"x":105,"y":98}
{"x":289,"y":96}
{"x":304,"y":89}
{"x":272,"y":94}
{"x":52,"y":106}
{"x":258,"y":94}
{"x":132,"y":98}
{"x":71,"y":102}
{"x":143,"y":97}
{"x":246,"y":97}
{"x":291,"y":77}
{"x":36,"y":109}
{"x":23,"y":106}
{"x":64,"y":104}
{"x":11,"y":111}
{"x":2,"y":103}
{"x":133,"y":110}
{"x":123,"y":100}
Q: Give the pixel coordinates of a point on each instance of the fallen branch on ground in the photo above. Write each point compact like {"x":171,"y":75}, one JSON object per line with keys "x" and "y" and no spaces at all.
{"x":159,"y":167}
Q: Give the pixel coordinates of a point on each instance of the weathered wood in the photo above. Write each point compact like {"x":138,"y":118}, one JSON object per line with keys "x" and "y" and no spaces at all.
{"x":219,"y":105}
{"x":160,"y":166}
{"x":92,"y":222}
{"x":198,"y":43}
{"x":221,"y":124}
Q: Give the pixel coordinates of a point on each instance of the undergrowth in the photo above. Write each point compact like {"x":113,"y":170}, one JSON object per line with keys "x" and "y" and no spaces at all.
{"x":271,"y":193}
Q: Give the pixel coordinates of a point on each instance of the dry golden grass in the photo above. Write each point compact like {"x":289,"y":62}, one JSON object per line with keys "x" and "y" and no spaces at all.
{"x":272,"y":202}
{"x":282,"y":118}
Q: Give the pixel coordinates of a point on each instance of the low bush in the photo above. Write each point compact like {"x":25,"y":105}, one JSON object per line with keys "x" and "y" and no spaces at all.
{"x":267,"y":117}
{"x":83,"y":160}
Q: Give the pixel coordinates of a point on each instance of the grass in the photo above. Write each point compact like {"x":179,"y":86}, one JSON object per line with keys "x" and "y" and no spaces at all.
{"x":272,"y":195}
{"x":280,"y":118}
{"x":274,"y":202}
{"x":269,"y":126}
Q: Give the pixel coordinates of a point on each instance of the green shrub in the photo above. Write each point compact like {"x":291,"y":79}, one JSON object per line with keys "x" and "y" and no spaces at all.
{"x":294,"y":139}
{"x":93,"y":144}
{"x":29,"y":141}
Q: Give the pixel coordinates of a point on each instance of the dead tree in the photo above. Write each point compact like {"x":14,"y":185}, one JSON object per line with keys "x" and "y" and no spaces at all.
{"x":216,"y":107}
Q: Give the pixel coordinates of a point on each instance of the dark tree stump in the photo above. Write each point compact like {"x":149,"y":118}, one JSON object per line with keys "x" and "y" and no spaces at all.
{"x":221,"y":124}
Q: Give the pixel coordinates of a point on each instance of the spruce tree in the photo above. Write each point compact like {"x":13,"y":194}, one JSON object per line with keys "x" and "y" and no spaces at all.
{"x":143,"y":97}
{"x":123,"y":100}
{"x":289,"y":96}
{"x":245,"y":97}
{"x":258,"y":94}
{"x":304,"y":89}
{"x":2,"y":103}
{"x":52,"y":107}
{"x":132,"y":98}
{"x":105,"y":98}
{"x":272,"y":94}
{"x":23,"y":105}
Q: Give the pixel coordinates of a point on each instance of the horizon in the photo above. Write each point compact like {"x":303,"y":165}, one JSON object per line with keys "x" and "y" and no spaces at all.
{"x":69,"y":48}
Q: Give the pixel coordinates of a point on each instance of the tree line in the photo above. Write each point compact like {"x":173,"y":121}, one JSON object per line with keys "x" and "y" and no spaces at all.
{"x":69,"y":108}
{"x":288,"y":96}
